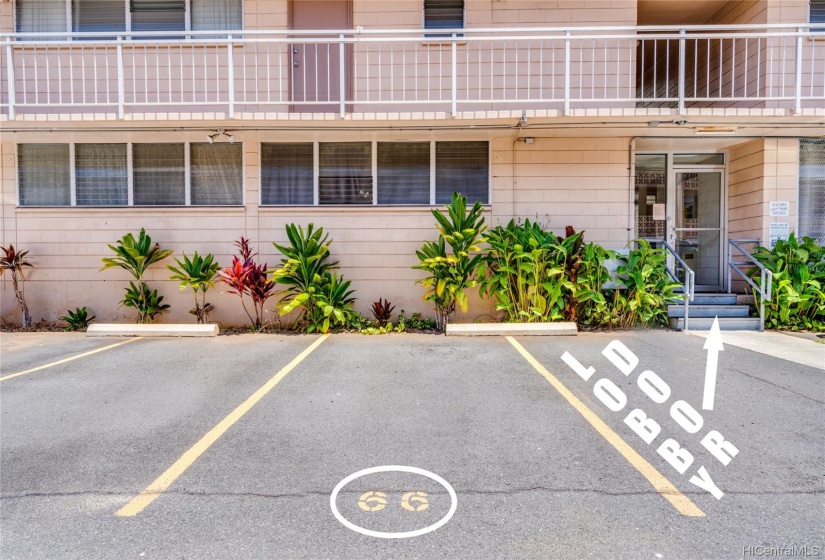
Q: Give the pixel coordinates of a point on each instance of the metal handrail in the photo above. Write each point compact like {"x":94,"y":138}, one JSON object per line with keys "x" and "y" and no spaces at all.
{"x":689,"y":283}
{"x":766,"y":276}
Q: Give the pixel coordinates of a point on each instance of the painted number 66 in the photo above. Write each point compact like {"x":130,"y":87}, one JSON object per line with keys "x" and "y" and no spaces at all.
{"x":410,"y":501}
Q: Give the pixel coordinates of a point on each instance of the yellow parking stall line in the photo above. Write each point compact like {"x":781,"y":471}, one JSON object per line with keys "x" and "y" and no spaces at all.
{"x":663,"y":486}
{"x":69,"y":359}
{"x":170,"y":475}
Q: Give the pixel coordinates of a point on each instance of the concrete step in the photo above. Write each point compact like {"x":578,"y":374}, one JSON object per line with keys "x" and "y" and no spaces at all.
{"x":710,"y":311}
{"x":713,"y":299}
{"x":725,"y":323}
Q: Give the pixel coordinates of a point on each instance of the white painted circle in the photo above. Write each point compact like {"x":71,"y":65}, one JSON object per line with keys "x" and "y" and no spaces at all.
{"x":382,"y":534}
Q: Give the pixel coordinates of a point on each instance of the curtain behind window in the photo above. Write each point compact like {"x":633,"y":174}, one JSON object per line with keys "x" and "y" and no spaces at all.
{"x":216,"y":14}
{"x":462,"y":167}
{"x":403,"y":173}
{"x":812,"y":189}
{"x":286,"y":174}
{"x":158,"y":15}
{"x":43,"y":174}
{"x":217,"y":174}
{"x":101,"y":175}
{"x":41,"y":15}
{"x":345,"y":175}
{"x":159,"y":178}
{"x":98,"y":15}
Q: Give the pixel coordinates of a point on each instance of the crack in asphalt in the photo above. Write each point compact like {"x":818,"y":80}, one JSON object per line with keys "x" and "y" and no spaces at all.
{"x":470,"y":491}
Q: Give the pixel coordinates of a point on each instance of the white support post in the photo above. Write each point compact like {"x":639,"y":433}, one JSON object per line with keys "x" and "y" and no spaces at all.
{"x":316,"y":172}
{"x":121,"y":94}
{"x":566,"y":73}
{"x":798,"y":74}
{"x":72,"y":175}
{"x":10,"y":77}
{"x":374,"y":172}
{"x":454,"y":66}
{"x":682,"y":76}
{"x":130,"y":176}
{"x":187,"y":174}
{"x":342,"y":81}
{"x":230,"y":62}
{"x":432,"y":172}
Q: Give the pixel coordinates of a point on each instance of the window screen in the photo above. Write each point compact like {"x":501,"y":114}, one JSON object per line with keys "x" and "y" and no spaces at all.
{"x":462,"y":167}
{"x":158,"y":174}
{"x":101,"y":175}
{"x":217,"y":174}
{"x":443,"y":14}
{"x":216,"y":14}
{"x":345,"y":175}
{"x":43,"y":174}
{"x":812,"y":189}
{"x":404,"y":173}
{"x":158,"y":15}
{"x":286,"y":174}
{"x":98,"y":15}
{"x":40,"y":15}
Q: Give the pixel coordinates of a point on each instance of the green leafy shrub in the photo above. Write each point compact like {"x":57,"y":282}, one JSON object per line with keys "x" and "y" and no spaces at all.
{"x":198,"y":273}
{"x":15,"y":262}
{"x":414,"y":323}
{"x":78,"y":320}
{"x":246,"y":277}
{"x":312,"y":281}
{"x":646,"y":288}
{"x":135,"y":256}
{"x":592,"y":302}
{"x":798,"y":289}
{"x":451,"y":274}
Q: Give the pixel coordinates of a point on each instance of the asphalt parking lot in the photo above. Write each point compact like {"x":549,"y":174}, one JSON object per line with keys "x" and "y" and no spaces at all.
{"x":232,"y":447}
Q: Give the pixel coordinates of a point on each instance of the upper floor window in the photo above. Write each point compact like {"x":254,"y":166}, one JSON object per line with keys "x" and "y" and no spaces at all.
{"x":817,"y":14}
{"x":443,"y":14}
{"x":127,"y":15}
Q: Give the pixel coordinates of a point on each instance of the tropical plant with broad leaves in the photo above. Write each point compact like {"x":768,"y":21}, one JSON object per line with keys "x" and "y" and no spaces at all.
{"x":246,"y":277}
{"x":451,"y":272}
{"x":312,"y":281}
{"x":15,"y":263}
{"x":382,"y":311}
{"x":146,"y":302}
{"x":78,"y":320}
{"x":798,"y":289}
{"x":199,"y":273}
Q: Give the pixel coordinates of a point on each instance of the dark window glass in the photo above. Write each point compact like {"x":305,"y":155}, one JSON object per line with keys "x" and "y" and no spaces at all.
{"x":98,"y":15}
{"x":159,"y":177}
{"x":101,"y":175}
{"x":286,"y":174}
{"x":158,"y":15}
{"x":404,"y":173}
{"x":443,"y":14}
{"x":345,"y":175}
{"x":44,"y":174}
{"x":216,"y":174}
{"x":462,"y":167}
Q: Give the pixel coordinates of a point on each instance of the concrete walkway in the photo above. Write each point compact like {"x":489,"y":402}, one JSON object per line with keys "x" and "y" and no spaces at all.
{"x":798,"y":350}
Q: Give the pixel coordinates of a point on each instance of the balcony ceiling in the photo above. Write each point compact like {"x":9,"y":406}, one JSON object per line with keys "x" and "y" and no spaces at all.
{"x":677,"y":12}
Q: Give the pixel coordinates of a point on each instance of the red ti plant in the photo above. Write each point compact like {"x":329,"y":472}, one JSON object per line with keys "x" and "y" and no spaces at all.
{"x":15,"y":262}
{"x":245,"y":277}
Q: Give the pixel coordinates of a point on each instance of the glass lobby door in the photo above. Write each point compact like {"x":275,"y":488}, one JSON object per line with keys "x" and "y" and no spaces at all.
{"x":695,"y":219}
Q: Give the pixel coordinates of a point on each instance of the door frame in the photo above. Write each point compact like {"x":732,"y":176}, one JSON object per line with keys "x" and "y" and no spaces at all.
{"x":348,"y":57}
{"x":670,"y":190}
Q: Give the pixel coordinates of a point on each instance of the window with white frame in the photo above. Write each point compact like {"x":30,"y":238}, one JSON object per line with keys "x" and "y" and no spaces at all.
{"x":374,"y":173}
{"x":443,"y":14}
{"x":817,"y":11}
{"x":127,"y":15}
{"x":812,"y":189}
{"x":174,"y":174}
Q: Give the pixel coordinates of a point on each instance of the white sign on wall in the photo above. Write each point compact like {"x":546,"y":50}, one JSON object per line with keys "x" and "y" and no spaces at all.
{"x":658,"y":211}
{"x":779,"y":230}
{"x":780,"y":208}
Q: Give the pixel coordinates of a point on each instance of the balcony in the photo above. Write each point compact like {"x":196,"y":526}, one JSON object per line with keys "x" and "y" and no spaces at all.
{"x":363,"y":71}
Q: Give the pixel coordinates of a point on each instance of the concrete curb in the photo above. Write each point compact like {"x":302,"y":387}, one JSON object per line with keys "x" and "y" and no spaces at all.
{"x":111,"y":329}
{"x":512,"y":329}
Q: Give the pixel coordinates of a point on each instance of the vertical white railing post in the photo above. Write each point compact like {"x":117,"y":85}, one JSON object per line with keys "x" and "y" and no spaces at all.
{"x":798,"y":74}
{"x":454,"y":66}
{"x":682,"y":71}
{"x":10,"y":76}
{"x":121,"y":94}
{"x":567,"y":73}
{"x":342,"y":79}
{"x":230,"y":77}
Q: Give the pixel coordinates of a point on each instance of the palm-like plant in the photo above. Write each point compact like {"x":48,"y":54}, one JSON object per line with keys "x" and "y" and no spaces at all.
{"x":135,"y":256}
{"x":245,"y":277}
{"x":452,"y":273}
{"x":198,"y":273}
{"x":15,"y":262}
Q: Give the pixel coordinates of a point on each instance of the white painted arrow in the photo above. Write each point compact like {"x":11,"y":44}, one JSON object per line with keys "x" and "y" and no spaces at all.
{"x":713,"y":345}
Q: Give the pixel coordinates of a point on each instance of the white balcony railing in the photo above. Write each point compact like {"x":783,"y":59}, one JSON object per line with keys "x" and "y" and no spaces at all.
{"x":401,"y":70}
